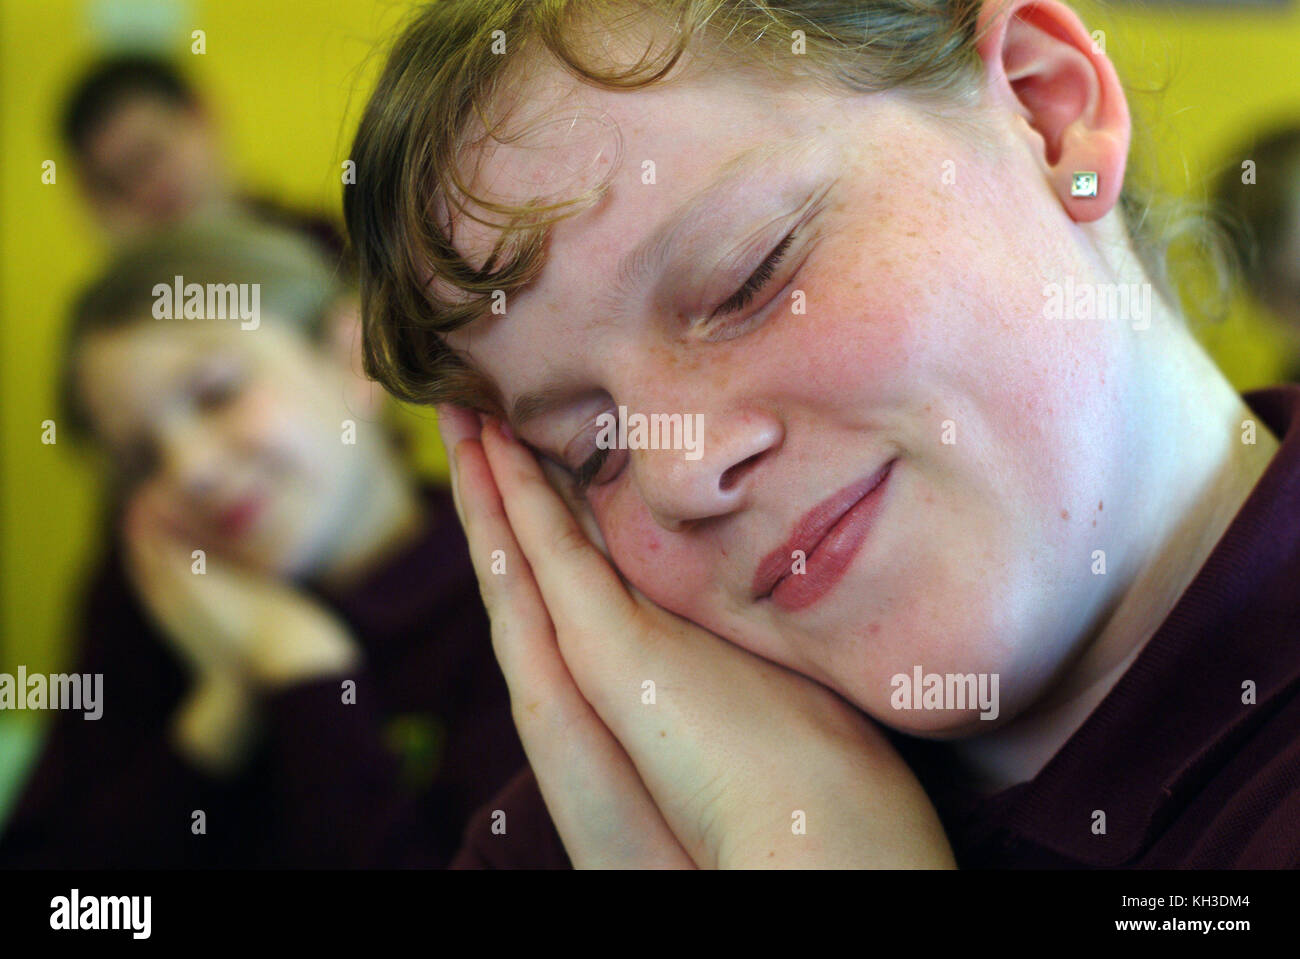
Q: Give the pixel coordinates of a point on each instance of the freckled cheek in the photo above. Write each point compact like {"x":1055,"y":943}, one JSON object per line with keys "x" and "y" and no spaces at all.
{"x":660,"y":564}
{"x":854,"y":343}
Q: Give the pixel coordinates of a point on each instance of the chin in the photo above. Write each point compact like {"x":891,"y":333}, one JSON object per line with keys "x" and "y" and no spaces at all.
{"x":941,"y":701}
{"x":940,"y":727}
{"x":292,"y":564}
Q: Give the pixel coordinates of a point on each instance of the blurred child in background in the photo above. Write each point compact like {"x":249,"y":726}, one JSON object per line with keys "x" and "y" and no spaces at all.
{"x":148,"y":152}
{"x":296,"y":662}
{"x":1262,"y":205}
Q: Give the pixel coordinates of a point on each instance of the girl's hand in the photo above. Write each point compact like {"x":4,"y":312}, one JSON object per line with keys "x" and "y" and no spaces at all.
{"x":738,"y":762}
{"x":226,"y":622}
{"x":593,"y":792}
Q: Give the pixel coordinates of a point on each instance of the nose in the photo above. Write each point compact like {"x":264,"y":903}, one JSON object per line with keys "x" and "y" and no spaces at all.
{"x":713,"y":478}
{"x":191,"y":459}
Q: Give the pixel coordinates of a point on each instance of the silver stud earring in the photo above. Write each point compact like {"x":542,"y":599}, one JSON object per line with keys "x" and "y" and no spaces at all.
{"x":1083,"y":183}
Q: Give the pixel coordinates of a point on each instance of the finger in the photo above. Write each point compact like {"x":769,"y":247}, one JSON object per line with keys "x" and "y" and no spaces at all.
{"x":149,"y":551}
{"x":556,"y":547}
{"x":562,"y":483}
{"x":505,"y":579}
{"x":600,"y":807}
{"x":616,"y":662}
{"x":455,"y":423}
{"x":160,"y":575}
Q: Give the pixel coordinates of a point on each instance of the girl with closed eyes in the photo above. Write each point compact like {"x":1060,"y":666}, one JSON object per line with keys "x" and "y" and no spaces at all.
{"x":956,"y":571}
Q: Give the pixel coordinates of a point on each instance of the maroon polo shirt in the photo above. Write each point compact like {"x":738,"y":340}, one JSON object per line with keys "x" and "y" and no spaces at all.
{"x":1186,"y":772}
{"x":387,"y":777}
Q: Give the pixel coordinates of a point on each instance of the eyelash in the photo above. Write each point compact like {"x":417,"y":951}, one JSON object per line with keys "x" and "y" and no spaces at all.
{"x":760,"y":277}
{"x":590,"y":469}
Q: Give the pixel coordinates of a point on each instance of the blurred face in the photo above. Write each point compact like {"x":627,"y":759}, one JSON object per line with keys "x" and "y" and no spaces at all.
{"x":863,"y":339}
{"x":237,"y":434}
{"x":149,"y":164}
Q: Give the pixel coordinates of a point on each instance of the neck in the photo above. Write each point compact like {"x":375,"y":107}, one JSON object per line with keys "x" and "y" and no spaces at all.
{"x":388,"y":514}
{"x":1191,"y":473}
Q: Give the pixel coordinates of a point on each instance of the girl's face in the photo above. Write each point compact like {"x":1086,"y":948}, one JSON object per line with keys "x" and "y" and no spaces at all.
{"x":151,"y":163}
{"x":238,"y":435}
{"x":902,"y":327}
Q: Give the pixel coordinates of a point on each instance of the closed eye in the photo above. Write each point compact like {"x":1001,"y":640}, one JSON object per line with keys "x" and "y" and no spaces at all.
{"x":590,"y":469}
{"x":594,"y":465}
{"x":757,"y":280}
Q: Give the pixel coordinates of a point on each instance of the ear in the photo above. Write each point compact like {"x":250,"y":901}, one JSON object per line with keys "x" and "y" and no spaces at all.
{"x":1041,"y":63}
{"x":341,"y":339}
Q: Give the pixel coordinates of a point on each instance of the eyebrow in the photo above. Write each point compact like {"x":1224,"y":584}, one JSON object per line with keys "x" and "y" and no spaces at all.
{"x":649,"y":255}
{"x":529,"y":406}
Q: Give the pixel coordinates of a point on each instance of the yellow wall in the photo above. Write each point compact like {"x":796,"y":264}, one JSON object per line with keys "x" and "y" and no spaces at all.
{"x":281,"y":72}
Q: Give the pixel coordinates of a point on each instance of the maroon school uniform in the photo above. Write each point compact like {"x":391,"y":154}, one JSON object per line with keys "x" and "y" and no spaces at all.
{"x":1187,"y":767}
{"x":388,"y":781}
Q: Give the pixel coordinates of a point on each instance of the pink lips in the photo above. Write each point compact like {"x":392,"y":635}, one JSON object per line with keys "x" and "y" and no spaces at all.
{"x":829,"y":536}
{"x":236,"y":520}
